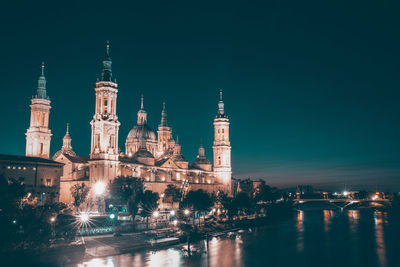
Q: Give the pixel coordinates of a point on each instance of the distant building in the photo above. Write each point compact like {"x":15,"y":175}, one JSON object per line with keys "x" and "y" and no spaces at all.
{"x":40,"y":176}
{"x":248,"y":186}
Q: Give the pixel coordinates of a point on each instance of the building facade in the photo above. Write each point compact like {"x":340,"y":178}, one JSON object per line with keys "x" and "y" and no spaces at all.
{"x":40,"y":177}
{"x":156,"y":158}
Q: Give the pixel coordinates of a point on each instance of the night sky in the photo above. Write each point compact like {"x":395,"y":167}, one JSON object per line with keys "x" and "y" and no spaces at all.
{"x":312,"y":89}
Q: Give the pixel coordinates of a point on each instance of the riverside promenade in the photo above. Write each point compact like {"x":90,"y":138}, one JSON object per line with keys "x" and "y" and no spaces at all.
{"x":108,"y":245}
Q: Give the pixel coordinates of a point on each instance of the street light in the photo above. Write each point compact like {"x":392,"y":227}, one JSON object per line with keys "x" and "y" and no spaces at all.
{"x":99,"y":188}
{"x":155,"y":214}
{"x":84,"y":217}
{"x":172,"y":212}
{"x":52,"y":219}
{"x":186,"y":211}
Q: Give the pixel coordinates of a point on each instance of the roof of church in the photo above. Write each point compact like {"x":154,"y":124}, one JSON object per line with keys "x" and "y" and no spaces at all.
{"x":141,"y":131}
{"x":26,"y":159}
{"x":76,"y":158}
{"x":126,"y":159}
{"x":143,"y":153}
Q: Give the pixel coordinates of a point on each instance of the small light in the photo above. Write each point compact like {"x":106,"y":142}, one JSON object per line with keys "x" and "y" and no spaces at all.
{"x":52,"y":219}
{"x":213,"y":210}
{"x":175,"y":222}
{"x":345,"y":193}
{"x":186,"y":211}
{"x":155,"y":214}
{"x":84,"y":217}
{"x":112,"y":216}
{"x":172,"y":212}
{"x":162,"y":195}
{"x":14,"y":221}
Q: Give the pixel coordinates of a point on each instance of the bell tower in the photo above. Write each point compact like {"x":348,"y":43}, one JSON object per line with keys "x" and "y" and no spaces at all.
{"x":38,"y":136}
{"x":105,"y":125}
{"x":222,"y":148}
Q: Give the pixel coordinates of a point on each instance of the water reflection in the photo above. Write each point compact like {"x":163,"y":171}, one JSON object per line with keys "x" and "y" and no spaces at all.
{"x":309,"y":238}
{"x":300,"y":231}
{"x":327,"y":220}
{"x":380,"y":238}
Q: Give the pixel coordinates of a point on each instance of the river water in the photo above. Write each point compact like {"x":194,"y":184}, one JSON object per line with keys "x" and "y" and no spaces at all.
{"x":309,"y":238}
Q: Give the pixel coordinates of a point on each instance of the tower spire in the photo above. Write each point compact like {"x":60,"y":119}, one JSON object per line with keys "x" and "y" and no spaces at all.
{"x":67,"y":133}
{"x":164,"y":116}
{"x":41,"y":91}
{"x":221,"y":111}
{"x":106,"y":75}
{"x":142,"y":114}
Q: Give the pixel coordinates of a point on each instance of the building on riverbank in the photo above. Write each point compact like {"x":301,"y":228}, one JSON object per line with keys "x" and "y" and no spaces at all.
{"x":156,"y":158}
{"x":40,"y":177}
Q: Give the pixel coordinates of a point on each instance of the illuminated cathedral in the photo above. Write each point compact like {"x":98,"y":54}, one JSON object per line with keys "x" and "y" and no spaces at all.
{"x":156,"y":158}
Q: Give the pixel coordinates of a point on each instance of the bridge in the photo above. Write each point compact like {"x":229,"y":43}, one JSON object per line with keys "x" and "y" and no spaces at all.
{"x":342,"y":203}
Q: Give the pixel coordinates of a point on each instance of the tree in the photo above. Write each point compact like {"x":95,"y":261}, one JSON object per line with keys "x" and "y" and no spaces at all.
{"x":79,"y":192}
{"x":242,"y":202}
{"x":127,"y":191}
{"x":198,"y":200}
{"x":267,"y":193}
{"x":149,"y":203}
{"x":172,"y":194}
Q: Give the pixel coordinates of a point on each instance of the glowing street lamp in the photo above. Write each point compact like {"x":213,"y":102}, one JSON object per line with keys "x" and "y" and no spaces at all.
{"x":186,"y":212}
{"x":84,"y":217}
{"x":52,"y":219}
{"x":172,"y":213}
{"x":99,"y":188}
{"x":155,"y":214}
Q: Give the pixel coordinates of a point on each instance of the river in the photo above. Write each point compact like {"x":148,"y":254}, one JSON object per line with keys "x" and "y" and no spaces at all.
{"x":309,"y":238}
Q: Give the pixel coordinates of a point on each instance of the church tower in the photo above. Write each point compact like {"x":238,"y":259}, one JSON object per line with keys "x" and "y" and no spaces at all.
{"x":105,"y":125}
{"x":38,"y":136}
{"x":222,"y":148}
{"x":164,"y":133}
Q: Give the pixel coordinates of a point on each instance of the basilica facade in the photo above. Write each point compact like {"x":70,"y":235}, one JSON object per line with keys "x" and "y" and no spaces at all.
{"x":156,"y":158}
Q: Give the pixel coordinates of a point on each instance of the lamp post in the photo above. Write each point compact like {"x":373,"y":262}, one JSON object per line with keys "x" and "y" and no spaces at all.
{"x":99,"y":189}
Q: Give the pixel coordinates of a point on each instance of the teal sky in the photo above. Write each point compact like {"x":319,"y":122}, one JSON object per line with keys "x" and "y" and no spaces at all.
{"x":311,"y":87}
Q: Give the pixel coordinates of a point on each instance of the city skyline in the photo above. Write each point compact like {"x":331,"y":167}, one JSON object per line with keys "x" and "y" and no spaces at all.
{"x":299,"y":115}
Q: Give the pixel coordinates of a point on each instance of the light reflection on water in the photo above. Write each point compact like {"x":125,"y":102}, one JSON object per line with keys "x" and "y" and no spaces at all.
{"x":310,"y":238}
{"x":380,"y":238}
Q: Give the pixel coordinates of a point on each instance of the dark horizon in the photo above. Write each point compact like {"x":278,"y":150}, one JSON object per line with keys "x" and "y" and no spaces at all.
{"x":311,"y":89}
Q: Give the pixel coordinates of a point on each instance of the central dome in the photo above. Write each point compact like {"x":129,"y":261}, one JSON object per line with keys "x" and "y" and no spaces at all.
{"x":141,"y":132}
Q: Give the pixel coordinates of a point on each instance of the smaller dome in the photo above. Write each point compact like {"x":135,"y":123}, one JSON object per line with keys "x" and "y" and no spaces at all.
{"x":141,"y":132}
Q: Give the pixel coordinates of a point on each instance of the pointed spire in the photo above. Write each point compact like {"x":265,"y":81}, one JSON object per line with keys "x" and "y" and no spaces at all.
{"x":106,"y":75}
{"x":41,"y":90}
{"x":67,"y":133}
{"x":164,"y":116}
{"x":42,"y":68}
{"x":67,"y":148}
{"x":108,"y":48}
{"x":221,"y":111}
{"x":177,"y":139}
{"x":142,"y":114}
